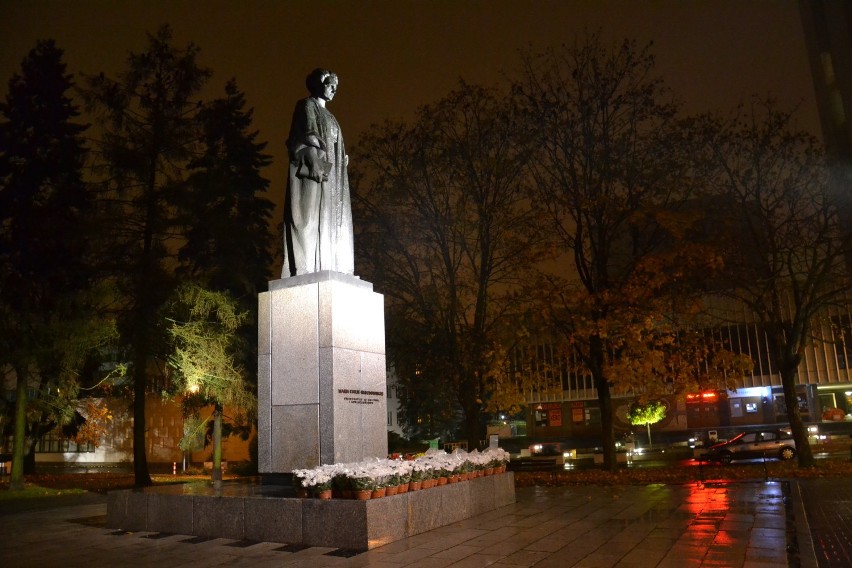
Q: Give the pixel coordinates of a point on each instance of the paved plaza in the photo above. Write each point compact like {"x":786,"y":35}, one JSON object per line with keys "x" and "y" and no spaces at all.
{"x":828,"y":519}
{"x":745,"y":524}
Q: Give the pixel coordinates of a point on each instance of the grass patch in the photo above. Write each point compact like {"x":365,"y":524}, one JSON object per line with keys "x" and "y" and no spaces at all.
{"x":31,"y":491}
{"x":50,"y":485}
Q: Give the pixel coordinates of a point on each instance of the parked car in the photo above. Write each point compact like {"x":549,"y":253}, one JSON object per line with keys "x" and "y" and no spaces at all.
{"x":754,"y":444}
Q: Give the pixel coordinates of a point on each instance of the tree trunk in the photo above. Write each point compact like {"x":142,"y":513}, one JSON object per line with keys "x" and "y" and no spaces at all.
{"x":607,"y":424}
{"x":800,"y":433}
{"x":605,"y":401}
{"x":216,"y":474}
{"x":16,"y":480}
{"x":468,"y":399}
{"x":142,"y":319}
{"x":140,"y":457}
{"x":648,"y":425}
{"x":29,"y":455}
{"x":472,"y":431}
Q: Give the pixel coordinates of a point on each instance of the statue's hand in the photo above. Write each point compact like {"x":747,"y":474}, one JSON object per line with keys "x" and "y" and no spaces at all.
{"x":315,"y":142}
{"x":346,"y":161}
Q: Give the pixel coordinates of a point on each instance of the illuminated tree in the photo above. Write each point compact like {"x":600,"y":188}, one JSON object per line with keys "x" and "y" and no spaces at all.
{"x":97,"y":418}
{"x":227,"y":235}
{"x":206,"y":355}
{"x":648,"y":413}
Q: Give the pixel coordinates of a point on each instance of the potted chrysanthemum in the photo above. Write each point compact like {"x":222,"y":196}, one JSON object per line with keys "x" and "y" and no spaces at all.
{"x":362,"y":482}
{"x":300,"y":483}
{"x":419,"y":472}
{"x":316,"y":482}
{"x":403,"y":473}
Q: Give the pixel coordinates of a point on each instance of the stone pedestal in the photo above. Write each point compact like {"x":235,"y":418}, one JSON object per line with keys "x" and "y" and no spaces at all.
{"x":261,"y":513}
{"x":321,"y":372}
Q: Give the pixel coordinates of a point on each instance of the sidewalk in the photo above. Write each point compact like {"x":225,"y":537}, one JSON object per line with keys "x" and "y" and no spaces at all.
{"x":747,"y":524}
{"x":827,"y":503}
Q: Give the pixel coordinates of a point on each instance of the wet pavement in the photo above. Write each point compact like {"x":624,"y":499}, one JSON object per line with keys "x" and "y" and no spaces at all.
{"x":828,"y":507}
{"x":743,"y":524}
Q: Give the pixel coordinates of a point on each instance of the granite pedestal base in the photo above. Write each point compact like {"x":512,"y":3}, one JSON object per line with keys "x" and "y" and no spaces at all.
{"x":262,"y":513}
{"x":321,"y":372}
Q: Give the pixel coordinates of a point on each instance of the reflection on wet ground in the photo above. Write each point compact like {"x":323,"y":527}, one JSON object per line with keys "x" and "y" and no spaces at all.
{"x":737,"y":525}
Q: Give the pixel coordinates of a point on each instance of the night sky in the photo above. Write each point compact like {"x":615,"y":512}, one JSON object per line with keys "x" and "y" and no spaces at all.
{"x":393,"y":56}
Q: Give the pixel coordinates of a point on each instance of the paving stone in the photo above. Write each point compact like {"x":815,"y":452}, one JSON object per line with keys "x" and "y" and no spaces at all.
{"x":732,"y":525}
{"x":828,"y":506}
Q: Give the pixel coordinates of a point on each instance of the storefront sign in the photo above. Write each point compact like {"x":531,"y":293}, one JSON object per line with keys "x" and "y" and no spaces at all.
{"x":554,"y":417}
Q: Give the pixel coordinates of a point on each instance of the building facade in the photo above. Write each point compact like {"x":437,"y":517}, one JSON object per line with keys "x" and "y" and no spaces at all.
{"x":165,"y":428}
{"x":824,"y":387}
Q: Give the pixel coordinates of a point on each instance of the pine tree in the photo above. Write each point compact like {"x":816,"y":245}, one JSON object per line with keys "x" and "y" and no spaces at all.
{"x":228,"y":238}
{"x":150,"y":134}
{"x":47,"y":321}
{"x":42,"y":197}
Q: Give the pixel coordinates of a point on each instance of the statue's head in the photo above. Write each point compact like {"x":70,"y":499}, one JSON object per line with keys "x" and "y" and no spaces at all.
{"x":319,"y":83}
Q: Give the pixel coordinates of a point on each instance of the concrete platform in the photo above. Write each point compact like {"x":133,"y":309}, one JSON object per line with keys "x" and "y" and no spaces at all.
{"x":265,"y":513}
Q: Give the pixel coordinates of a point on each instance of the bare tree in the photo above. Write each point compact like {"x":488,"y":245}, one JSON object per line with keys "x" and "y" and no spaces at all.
{"x":447,"y":235}
{"x":789,"y":262}
{"x":604,"y":166}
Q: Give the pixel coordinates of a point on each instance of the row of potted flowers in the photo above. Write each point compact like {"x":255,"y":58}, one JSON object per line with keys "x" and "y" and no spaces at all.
{"x":379,"y":477}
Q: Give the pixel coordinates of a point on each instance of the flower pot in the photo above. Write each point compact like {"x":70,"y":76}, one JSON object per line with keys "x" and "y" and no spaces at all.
{"x":362,"y":494}
{"x":453,"y":478}
{"x":378,"y":493}
{"x":415,"y":485}
{"x":489,"y":471}
{"x":324,"y":495}
{"x":402,"y":488}
{"x":392,"y":490}
{"x":442,"y":481}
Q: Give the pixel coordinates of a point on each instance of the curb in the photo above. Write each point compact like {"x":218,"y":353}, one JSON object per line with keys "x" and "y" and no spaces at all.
{"x":805,"y":555}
